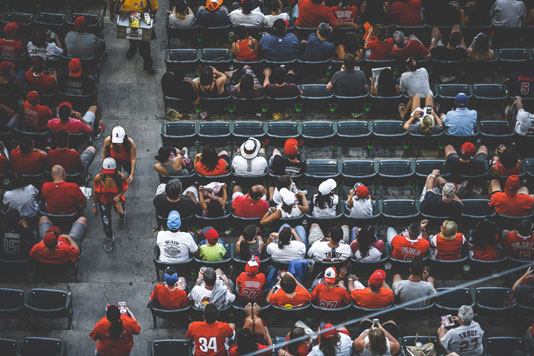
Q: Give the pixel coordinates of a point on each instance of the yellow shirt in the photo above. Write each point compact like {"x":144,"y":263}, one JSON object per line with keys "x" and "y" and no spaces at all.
{"x":138,"y":5}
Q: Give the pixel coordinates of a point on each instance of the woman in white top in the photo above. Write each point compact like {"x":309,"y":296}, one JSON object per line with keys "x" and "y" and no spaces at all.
{"x":359,"y":202}
{"x":289,"y":208}
{"x":325,"y":201}
{"x":276,"y":13}
{"x":286,"y":245}
{"x":181,"y":15}
{"x":377,"y":340}
{"x":336,"y":342}
{"x":365,"y":245}
{"x":22,"y":197}
{"x":41,"y":46}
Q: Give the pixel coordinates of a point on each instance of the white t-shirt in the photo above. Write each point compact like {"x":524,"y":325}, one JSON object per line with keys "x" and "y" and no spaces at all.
{"x":249,"y":167}
{"x":328,"y":211}
{"x":24,"y":200}
{"x":188,"y":21}
{"x":175,"y":246}
{"x":296,"y":250}
{"x":361,"y":208}
{"x":321,"y":252}
{"x":295,"y":212}
{"x":343,"y":347}
{"x":466,"y":338}
{"x":524,"y":124}
{"x":254,"y":19}
{"x":269,"y":20}
{"x":201,"y":296}
{"x":366,"y":351}
{"x":374,"y":255}
{"x":50,"y":52}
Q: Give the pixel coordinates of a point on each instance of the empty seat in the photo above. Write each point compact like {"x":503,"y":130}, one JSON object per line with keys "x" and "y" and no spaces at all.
{"x":490,"y":93}
{"x":451,"y":68}
{"x":504,"y":345}
{"x":493,"y":299}
{"x":11,"y":300}
{"x":218,"y":105}
{"x":353,"y":133}
{"x":454,"y":299}
{"x":181,"y":314}
{"x":8,"y":347}
{"x":170,"y":347}
{"x":50,"y":303}
{"x":447,"y":92}
{"x":42,"y":346}
{"x":477,"y":209}
{"x":354,"y":171}
{"x":184,"y":57}
{"x":388,"y":130}
{"x":51,"y":21}
{"x":385,"y":104}
{"x":396,"y":169}
{"x":215,"y":34}
{"x":179,"y":104}
{"x":178,"y":134}
{"x":315,"y":97}
{"x":322,"y":169}
{"x":245,"y":129}
{"x":24,"y":20}
{"x":279,"y":131}
{"x":318,"y":133}
{"x":529,"y":166}
{"x":313,"y":68}
{"x":496,"y":131}
{"x":423,"y":167}
{"x":219,"y":58}
{"x":215,"y":133}
{"x":248,"y":106}
{"x":331,"y":314}
{"x":513,"y":59}
{"x":351,"y":103}
{"x":400,"y":209}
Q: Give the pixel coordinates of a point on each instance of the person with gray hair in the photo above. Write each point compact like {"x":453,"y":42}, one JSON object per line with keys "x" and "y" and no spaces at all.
{"x":465,"y":336}
{"x":444,"y":203}
{"x":318,"y":48}
{"x":406,"y":48}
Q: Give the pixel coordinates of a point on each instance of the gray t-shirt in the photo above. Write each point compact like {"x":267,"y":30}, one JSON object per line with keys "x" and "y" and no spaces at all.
{"x":465,"y":340}
{"x":415,"y":83}
{"x":81,"y":45}
{"x":407,"y":290}
{"x":349,"y":83}
{"x":508,"y":13}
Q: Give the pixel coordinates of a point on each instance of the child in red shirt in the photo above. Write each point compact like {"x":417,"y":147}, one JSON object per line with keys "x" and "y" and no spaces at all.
{"x":170,"y":295}
{"x":250,"y":283}
{"x":330,"y":295}
{"x":289,"y":293}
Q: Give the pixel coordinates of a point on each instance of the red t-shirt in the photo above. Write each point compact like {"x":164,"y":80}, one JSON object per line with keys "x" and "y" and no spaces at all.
{"x":11,"y":49}
{"x":488,"y":253}
{"x":170,"y":300}
{"x":250,"y":288}
{"x":62,"y":198}
{"x":4,"y":164}
{"x":235,"y":352}
{"x":366,"y":299}
{"x":406,"y":13}
{"x":330,"y":298}
{"x":68,"y":158}
{"x":220,"y":169}
{"x":518,"y":205}
{"x":63,"y":253}
{"x":311,"y":15}
{"x":448,"y":250}
{"x":108,"y":347}
{"x":413,"y":48}
{"x":36,"y":116}
{"x":517,"y":246}
{"x":345,"y":14}
{"x":31,"y":163}
{"x":380,"y":50}
{"x":43,"y":83}
{"x":301,"y":298}
{"x":73,"y":126}
{"x":406,"y":249}
{"x":210,"y":339}
{"x":247,"y":208}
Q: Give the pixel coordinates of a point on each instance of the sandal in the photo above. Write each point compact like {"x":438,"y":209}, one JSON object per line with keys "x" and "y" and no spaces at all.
{"x":401,"y":107}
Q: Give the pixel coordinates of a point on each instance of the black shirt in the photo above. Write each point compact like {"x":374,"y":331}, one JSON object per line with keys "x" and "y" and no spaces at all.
{"x":442,"y":53}
{"x":177,"y":89}
{"x":522,"y":84}
{"x":471,"y":168}
{"x":434,"y":205}
{"x":16,"y":243}
{"x":282,"y":165}
{"x":185,"y":206}
{"x":78,"y":86}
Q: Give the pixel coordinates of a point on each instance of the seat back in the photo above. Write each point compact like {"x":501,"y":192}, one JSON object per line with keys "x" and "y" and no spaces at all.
{"x":318,"y":133}
{"x":449,"y":91}
{"x":41,"y":346}
{"x":11,"y":299}
{"x":496,"y":128}
{"x":322,"y":168}
{"x":395,"y":168}
{"x":185,"y":57}
{"x":359,"y":169}
{"x":217,"y":57}
{"x":477,"y":208}
{"x":282,"y":130}
{"x":388,"y":128}
{"x":171,"y":347}
{"x":353,"y":129}
{"x":490,"y":91}
{"x":214,"y":129}
{"x":513,"y":55}
{"x":400,"y":208}
{"x":504,"y":345}
{"x":493,"y":297}
{"x":453,"y":300}
{"x":423,"y":167}
{"x":246,"y":129}
{"x":8,"y":347}
{"x":52,"y":21}
{"x":48,"y":299}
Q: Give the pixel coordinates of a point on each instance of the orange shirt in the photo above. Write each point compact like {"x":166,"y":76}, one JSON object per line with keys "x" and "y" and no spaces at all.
{"x":122,"y":347}
{"x":219,"y":170}
{"x":250,"y":287}
{"x":330,"y":298}
{"x":366,"y":299}
{"x":448,"y":250}
{"x":301,"y":298}
{"x":63,"y":253}
{"x":406,"y":249}
{"x":210,"y":339}
{"x":234,"y":351}
{"x":488,"y":252}
{"x":168,"y":299}
{"x":518,"y":205}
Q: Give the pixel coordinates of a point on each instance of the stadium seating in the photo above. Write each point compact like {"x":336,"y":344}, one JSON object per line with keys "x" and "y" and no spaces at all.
{"x":50,"y":303}
{"x":11,"y":301}
{"x":450,"y":302}
{"x":181,"y":314}
{"x":493,"y":300}
{"x":43,"y":346}
{"x":170,"y":347}
{"x":8,"y":347}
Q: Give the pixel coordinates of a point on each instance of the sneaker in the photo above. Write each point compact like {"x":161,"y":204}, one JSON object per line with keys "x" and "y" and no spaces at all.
{"x":122,"y":220}
{"x":101,"y":128}
{"x":185,"y":152}
{"x":108,"y":245}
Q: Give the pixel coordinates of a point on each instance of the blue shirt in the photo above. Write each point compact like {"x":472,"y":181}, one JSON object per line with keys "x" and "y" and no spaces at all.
{"x":218,"y":18}
{"x":317,"y":50}
{"x":461,"y":122}
{"x":276,"y":48}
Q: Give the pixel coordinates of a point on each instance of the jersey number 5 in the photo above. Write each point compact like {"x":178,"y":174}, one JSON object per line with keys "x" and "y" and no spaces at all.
{"x":207,"y":345}
{"x":525,"y":88}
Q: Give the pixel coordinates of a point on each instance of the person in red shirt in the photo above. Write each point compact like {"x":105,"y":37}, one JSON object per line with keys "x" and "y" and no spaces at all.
{"x":381,"y":46}
{"x":520,"y":243}
{"x":62,"y":197}
{"x":25,"y":159}
{"x":115,"y":332}
{"x":72,"y":161}
{"x":123,"y":150}
{"x":4,"y":161}
{"x":246,"y":344}
{"x":170,"y":295}
{"x":39,"y":81}
{"x":9,"y":47}
{"x":210,"y":336}
{"x":404,"y":12}
{"x":377,"y":295}
{"x":409,"y":244}
{"x":484,"y":241}
{"x":346,"y":11}
{"x":449,"y":242}
{"x":55,"y":248}
{"x":71,"y":124}
{"x":505,"y":162}
{"x":330,"y":295}
{"x":250,"y":283}
{"x":209,"y":163}
{"x":313,"y":12}
{"x":404,"y":49}
{"x":36,"y":116}
{"x":514,"y":201}
{"x":289,"y":293}
{"x":251,"y":205}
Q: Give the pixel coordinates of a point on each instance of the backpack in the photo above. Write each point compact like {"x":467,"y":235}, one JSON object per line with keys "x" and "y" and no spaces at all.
{"x":428,"y":349}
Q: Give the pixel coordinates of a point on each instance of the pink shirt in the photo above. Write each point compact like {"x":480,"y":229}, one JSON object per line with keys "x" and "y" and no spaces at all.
{"x":73,"y":126}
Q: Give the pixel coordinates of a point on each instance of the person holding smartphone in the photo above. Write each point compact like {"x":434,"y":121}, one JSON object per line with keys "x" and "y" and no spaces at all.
{"x":464,"y":339}
{"x":377,"y":339}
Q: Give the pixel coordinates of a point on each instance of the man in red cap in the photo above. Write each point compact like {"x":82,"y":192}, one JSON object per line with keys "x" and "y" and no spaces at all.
{"x":72,"y":121}
{"x":291,"y":164}
{"x":82,"y":44}
{"x":250,"y":283}
{"x":213,"y":250}
{"x":329,"y":294}
{"x":10,"y":48}
{"x":55,"y":248}
{"x":469,"y":161}
{"x":377,"y":295}
{"x":36,"y":116}
{"x":39,"y":81}
{"x":514,"y":201}
{"x":76,"y":82}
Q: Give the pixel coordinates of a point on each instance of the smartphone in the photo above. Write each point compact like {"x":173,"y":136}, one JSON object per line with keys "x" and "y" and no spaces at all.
{"x":447,"y":320}
{"x":122,"y":308}
{"x":429,"y":109}
{"x":376,"y":323}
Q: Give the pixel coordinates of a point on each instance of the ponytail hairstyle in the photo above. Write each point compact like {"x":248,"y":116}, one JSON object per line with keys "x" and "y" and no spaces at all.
{"x":328,"y":345}
{"x":114,"y":316}
{"x":249,"y":234}
{"x":324,"y":201}
{"x":284,"y":236}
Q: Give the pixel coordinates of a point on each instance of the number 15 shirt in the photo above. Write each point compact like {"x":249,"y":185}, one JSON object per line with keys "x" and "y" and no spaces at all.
{"x":210,"y":339}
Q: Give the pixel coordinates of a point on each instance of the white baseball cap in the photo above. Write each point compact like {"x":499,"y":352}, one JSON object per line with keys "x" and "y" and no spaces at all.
{"x":330,"y":275}
{"x":250,"y":148}
{"x":288,"y":197}
{"x":109,"y":165}
{"x":327,"y":186}
{"x":117,"y":134}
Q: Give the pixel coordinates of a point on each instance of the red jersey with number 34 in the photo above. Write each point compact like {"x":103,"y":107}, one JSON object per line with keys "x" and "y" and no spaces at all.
{"x":210,"y":339}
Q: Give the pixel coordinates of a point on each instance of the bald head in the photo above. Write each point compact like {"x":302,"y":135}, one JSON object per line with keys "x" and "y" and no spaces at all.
{"x":58,"y":173}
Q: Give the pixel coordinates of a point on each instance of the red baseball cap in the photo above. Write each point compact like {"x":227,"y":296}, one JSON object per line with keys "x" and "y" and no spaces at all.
{"x":75,"y":68}
{"x":50,"y":237}
{"x":6,"y":66}
{"x":291,"y":147}
{"x":212,"y":236}
{"x":377,"y":278}
{"x":512,"y":185}
{"x":253,"y":266}
{"x":33,"y":97}
{"x":362,"y":192}
{"x":64,"y":103}
{"x":80,"y":23}
{"x":467,"y":150}
{"x":330,"y":333}
{"x":11,"y":28}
